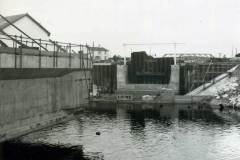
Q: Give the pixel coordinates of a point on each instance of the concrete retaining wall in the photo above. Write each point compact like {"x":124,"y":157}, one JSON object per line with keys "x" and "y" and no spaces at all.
{"x":190,"y":99}
{"x":29,"y":104}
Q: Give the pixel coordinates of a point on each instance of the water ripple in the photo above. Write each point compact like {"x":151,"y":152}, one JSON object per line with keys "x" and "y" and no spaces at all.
{"x":147,"y":134}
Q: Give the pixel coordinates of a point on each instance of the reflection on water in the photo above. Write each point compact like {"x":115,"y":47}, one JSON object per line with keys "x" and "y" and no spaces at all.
{"x":146,"y":132}
{"x":14,"y":150}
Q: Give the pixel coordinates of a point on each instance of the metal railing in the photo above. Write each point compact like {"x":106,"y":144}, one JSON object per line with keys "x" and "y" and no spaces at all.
{"x":54,"y":47}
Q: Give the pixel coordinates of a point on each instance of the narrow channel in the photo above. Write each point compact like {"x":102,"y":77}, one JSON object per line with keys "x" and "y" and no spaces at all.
{"x":134,"y":132}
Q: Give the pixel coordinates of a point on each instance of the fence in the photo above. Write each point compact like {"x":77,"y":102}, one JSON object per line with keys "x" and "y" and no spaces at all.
{"x":20,"y":46}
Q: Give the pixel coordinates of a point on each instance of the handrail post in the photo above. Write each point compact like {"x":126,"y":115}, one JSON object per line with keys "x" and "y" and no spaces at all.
{"x":70,"y":63}
{"x":56,"y":54}
{"x":15,"y":52}
{"x":40,"y":54}
{"x":82,"y":57}
{"x":79,"y":54}
{"x":87,"y":54}
{"x":54,"y":50}
{"x":20,"y":65}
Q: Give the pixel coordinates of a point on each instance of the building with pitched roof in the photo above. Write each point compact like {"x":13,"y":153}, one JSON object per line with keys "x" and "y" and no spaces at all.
{"x":99,"y":53}
{"x":26,"y":23}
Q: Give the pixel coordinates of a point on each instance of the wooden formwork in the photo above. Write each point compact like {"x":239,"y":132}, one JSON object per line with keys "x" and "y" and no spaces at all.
{"x":144,"y":69}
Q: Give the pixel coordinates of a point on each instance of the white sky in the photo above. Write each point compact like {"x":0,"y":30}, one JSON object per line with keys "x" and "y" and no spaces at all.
{"x":205,"y":26}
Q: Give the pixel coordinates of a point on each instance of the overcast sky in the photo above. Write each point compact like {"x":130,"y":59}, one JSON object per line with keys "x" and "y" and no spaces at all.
{"x":205,"y":26}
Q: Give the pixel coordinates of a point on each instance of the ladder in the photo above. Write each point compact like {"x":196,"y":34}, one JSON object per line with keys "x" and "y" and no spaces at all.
{"x":87,"y":80}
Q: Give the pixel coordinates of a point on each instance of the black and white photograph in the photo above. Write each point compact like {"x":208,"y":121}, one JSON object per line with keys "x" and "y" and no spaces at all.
{"x":119,"y":80}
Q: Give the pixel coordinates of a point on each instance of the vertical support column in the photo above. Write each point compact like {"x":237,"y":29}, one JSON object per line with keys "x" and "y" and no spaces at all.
{"x":70,"y":58}
{"x":175,"y":56}
{"x":15,"y":52}
{"x":83,"y":59}
{"x":79,"y":54}
{"x":87,"y":54}
{"x":91,"y":76}
{"x":175,"y":77}
{"x":39,"y":54}
{"x":54,"y":53}
{"x":20,"y":62}
{"x":87,"y":76}
{"x":92,"y":57}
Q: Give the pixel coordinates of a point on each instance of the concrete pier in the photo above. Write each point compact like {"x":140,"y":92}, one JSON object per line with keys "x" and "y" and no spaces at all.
{"x":175,"y":78}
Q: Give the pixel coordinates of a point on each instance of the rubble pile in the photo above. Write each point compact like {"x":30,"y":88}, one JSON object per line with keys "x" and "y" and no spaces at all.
{"x":230,"y":94}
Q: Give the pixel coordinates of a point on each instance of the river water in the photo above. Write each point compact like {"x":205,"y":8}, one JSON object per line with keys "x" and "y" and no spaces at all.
{"x":146,"y":132}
